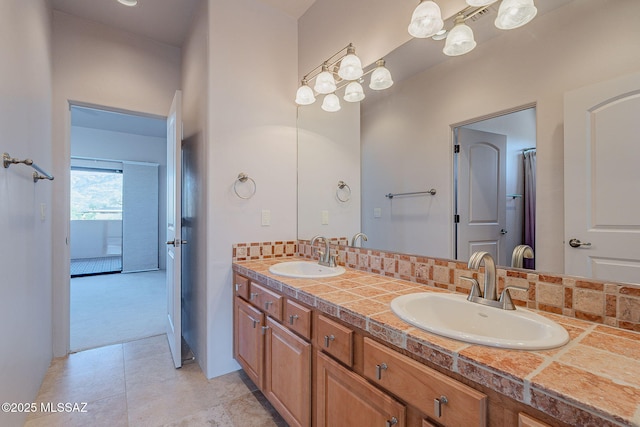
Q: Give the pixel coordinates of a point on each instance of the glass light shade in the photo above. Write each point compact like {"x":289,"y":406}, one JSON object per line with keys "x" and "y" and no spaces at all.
{"x":325,"y":83}
{"x":331,"y":103}
{"x":426,"y":20}
{"x":460,"y":40}
{"x":515,"y":13}
{"x":381,"y":77}
{"x":353,"y":92}
{"x":350,"y":67}
{"x":305,"y":96}
{"x":479,"y":3}
{"x":128,"y":2}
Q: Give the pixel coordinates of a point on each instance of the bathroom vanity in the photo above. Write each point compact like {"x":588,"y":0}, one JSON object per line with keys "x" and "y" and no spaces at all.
{"x":329,"y":352}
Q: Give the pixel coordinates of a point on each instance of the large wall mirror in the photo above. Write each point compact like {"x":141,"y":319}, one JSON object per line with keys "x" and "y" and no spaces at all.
{"x":402,"y":140}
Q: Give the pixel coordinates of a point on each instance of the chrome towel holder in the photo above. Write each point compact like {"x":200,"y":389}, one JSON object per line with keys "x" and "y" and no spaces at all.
{"x":7,"y":161}
{"x":242,"y":178}
{"x":392,"y":195}
{"x":346,"y":194}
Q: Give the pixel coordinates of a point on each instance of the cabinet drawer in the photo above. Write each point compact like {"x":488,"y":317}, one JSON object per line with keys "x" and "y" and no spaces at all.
{"x":424,"y":388}
{"x":266,"y":300}
{"x":335,"y":340}
{"x":525,"y":420}
{"x":298,"y":318}
{"x":241,"y":286}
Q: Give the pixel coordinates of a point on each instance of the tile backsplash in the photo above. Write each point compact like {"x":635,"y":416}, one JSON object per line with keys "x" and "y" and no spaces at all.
{"x":612,"y":304}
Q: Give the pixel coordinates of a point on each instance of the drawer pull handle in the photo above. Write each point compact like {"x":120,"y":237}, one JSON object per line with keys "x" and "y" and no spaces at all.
{"x":437,"y":405}
{"x":292,"y":318}
{"x":379,"y":368}
{"x":255,"y":322}
{"x":238,"y":285}
{"x":327,"y":339}
{"x":253,"y":295}
{"x":393,"y":421}
{"x":267,"y":304}
{"x":264,"y":330}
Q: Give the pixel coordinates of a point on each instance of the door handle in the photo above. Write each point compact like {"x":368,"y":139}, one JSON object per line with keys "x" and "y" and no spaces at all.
{"x":503,"y":231}
{"x":575,"y":243}
{"x":176,"y":243}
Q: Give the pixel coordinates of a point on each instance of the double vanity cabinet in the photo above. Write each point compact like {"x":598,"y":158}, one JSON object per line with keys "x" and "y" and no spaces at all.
{"x":317,"y":370}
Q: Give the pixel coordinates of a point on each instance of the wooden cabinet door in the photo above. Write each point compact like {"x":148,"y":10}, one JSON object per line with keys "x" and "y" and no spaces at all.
{"x":346,"y":399}
{"x":248,"y":343}
{"x":288,"y":374}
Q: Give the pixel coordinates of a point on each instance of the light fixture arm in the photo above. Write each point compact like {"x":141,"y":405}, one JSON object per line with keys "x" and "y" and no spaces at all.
{"x":310,"y":76}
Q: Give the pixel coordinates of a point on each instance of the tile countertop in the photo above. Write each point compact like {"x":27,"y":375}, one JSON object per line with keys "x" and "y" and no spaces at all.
{"x":592,"y":380}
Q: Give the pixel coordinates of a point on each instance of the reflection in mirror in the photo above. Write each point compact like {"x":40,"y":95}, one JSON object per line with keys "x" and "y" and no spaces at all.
{"x":405,"y":134}
{"x":495,"y":185}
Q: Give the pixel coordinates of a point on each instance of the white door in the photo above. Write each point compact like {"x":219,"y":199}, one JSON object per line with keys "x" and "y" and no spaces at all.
{"x":174,"y":234}
{"x":602,"y":180}
{"x":482,"y":194}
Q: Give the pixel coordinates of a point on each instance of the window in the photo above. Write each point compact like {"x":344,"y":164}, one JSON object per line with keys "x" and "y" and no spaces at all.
{"x":96,"y":194}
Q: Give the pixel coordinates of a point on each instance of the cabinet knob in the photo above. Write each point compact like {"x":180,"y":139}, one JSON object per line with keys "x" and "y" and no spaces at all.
{"x":437,"y":405}
{"x":379,"y":368}
{"x":327,"y":339}
{"x":238,"y":285}
{"x":393,"y":421}
{"x":267,"y":304}
{"x":253,"y":295}
{"x":292,"y":318}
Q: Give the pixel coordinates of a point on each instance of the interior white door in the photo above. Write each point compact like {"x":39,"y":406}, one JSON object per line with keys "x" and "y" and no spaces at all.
{"x":601,"y":178}
{"x":482,"y":196}
{"x":174,"y":232}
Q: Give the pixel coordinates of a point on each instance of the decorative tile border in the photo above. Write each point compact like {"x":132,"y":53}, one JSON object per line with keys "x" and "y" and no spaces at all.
{"x":264,"y":250}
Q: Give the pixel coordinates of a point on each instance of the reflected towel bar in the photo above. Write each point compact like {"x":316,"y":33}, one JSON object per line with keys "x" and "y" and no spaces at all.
{"x":392,"y":195}
{"x":7,"y":161}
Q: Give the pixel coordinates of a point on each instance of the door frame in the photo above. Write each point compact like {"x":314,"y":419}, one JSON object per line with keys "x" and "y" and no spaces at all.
{"x":453,"y":138}
{"x":61,"y":292}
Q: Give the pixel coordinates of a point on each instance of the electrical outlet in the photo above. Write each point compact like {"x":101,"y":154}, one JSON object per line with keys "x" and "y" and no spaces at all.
{"x":266,"y":217}
{"x":325,"y":217}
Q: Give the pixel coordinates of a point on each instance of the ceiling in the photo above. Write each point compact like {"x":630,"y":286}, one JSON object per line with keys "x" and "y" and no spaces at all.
{"x":166,"y":21}
{"x":118,"y":122}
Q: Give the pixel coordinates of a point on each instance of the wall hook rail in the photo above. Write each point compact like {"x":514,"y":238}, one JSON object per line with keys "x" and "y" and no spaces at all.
{"x":7,"y":161}
{"x":392,"y":195}
{"x":242,"y":178}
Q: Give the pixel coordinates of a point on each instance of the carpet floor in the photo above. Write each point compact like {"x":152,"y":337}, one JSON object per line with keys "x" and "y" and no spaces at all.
{"x":115,"y":308}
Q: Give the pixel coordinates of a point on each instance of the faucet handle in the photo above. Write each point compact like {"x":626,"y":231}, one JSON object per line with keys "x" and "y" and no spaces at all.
{"x":505,"y":297}
{"x":475,"y":288}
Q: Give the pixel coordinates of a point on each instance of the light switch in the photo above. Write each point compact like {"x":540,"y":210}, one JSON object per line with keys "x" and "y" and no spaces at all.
{"x":266,"y":217}
{"x":377,"y":212}
{"x":325,"y":217}
{"x":43,"y":212}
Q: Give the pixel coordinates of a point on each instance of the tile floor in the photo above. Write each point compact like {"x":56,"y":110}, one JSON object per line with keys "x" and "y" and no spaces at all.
{"x":135,"y":384}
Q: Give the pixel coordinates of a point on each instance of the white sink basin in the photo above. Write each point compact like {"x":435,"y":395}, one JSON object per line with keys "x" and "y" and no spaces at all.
{"x":305,"y":270}
{"x":452,"y":316}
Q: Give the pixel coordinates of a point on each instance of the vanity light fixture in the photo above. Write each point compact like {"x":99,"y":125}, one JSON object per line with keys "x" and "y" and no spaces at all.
{"x":130,"y":3}
{"x":426,"y":20}
{"x":342,"y":70}
{"x":459,"y":39}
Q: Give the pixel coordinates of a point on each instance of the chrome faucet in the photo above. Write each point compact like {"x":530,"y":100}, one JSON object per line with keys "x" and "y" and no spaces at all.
{"x":489,"y":295}
{"x":521,"y":252}
{"x":325,"y":257}
{"x":356,"y":236}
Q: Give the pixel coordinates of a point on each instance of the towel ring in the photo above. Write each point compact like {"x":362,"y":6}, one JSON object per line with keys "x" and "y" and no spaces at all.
{"x":346,"y":193}
{"x":242,"y":178}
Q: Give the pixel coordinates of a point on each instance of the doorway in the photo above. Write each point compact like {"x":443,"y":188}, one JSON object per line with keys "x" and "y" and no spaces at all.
{"x":494,"y":184}
{"x":118,"y":167}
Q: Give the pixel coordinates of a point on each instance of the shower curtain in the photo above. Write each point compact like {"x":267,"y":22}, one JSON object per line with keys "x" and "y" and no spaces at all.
{"x":529,"y":238}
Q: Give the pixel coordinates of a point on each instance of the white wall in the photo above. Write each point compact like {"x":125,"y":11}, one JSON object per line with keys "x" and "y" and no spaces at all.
{"x":104,"y":144}
{"x":195,"y":106}
{"x":252,"y":85}
{"x":97,"y":65}
{"x":25,"y":255}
